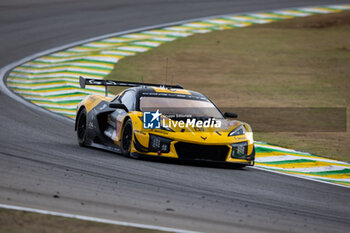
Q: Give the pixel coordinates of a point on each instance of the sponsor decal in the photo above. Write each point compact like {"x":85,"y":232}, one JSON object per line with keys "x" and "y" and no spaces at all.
{"x":91,"y":125}
{"x":153,"y":120}
{"x":103,"y":106}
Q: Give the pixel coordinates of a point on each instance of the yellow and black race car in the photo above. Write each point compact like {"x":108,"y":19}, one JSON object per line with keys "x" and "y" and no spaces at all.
{"x":162,"y":120}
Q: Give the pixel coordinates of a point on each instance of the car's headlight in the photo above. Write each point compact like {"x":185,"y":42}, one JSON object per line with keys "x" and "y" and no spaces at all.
{"x":240,"y":130}
{"x":239,"y":149}
{"x":159,"y":144}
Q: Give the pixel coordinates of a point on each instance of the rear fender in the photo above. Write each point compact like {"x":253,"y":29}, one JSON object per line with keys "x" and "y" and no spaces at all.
{"x":89,"y":103}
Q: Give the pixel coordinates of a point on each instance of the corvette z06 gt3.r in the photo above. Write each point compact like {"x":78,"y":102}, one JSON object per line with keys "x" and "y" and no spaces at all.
{"x":162,"y":120}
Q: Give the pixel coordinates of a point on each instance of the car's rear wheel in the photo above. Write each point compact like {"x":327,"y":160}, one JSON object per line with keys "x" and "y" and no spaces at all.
{"x":126,"y":141}
{"x":81,"y":127}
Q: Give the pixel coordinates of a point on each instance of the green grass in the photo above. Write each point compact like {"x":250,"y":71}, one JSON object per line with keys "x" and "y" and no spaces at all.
{"x":302,"y":62}
{"x":13,"y":221}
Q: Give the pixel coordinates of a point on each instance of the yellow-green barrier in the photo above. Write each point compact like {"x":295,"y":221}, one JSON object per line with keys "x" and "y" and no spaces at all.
{"x":52,"y":81}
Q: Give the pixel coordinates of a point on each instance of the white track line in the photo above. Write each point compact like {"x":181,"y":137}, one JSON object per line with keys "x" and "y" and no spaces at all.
{"x":93,"y":219}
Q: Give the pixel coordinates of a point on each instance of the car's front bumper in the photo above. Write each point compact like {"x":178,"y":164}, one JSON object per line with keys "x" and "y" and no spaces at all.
{"x":222,"y":153}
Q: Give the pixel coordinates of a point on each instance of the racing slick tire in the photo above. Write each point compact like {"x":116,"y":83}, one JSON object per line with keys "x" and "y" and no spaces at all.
{"x":81,"y":127}
{"x":125,"y":145}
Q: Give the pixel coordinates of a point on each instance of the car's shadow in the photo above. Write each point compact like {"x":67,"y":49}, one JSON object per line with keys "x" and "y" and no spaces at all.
{"x":165,"y":160}
{"x":195,"y":163}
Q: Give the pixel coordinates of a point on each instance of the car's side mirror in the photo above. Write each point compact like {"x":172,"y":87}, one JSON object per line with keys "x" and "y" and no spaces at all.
{"x":230,"y":115}
{"x":118,"y":105}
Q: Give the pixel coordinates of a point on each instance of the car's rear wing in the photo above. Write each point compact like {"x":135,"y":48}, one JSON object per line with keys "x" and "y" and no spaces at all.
{"x":103,"y":82}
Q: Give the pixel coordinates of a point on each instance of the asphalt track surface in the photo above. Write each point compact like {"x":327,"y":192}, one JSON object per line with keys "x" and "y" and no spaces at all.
{"x":42,"y":166}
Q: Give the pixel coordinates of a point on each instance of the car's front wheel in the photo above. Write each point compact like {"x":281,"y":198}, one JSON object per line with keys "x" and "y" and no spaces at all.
{"x":126,"y":141}
{"x":81,"y":127}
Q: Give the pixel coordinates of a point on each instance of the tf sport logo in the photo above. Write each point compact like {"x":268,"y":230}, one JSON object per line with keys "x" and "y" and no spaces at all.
{"x":151,"y":120}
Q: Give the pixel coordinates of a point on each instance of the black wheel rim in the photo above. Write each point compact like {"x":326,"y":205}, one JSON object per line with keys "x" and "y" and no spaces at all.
{"x":81,"y":126}
{"x":127,"y":134}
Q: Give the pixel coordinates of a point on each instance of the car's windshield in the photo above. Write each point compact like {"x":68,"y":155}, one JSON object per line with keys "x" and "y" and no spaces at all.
{"x":179,"y":106}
